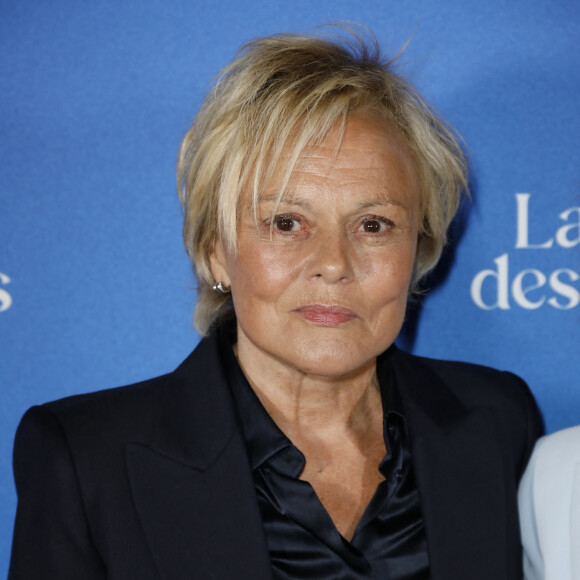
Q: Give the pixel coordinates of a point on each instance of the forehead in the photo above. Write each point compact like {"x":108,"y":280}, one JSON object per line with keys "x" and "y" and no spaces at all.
{"x":365,"y":154}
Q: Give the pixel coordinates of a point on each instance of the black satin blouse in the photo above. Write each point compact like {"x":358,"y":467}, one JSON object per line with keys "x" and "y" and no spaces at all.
{"x":389,"y":542}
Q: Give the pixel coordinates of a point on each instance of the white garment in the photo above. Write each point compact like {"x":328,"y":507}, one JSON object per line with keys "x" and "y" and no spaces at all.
{"x":549,"y":502}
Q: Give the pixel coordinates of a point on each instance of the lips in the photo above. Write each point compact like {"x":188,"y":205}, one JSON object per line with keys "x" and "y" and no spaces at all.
{"x":322,"y":315}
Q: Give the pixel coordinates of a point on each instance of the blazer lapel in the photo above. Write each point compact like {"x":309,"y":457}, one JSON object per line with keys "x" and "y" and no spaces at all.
{"x":192,"y":483}
{"x":454,"y":452}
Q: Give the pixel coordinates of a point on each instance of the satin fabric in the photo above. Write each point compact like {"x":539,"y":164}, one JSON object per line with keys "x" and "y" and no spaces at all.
{"x":303,"y":542}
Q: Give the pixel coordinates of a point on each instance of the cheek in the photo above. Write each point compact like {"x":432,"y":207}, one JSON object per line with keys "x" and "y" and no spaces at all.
{"x":264,"y":270}
{"x":389,"y":270}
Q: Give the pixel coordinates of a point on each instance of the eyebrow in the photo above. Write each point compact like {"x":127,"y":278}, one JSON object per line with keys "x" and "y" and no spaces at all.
{"x":381,"y":201}
{"x":290,"y":199}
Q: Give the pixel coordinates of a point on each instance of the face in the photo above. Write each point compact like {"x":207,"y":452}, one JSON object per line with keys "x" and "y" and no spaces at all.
{"x":322,"y":288}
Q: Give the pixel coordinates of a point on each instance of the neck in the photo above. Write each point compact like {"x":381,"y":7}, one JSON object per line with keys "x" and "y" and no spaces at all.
{"x":305,"y":404}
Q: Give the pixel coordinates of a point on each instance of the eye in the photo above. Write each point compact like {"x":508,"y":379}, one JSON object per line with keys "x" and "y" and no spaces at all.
{"x":375,"y":225}
{"x":287,"y":227}
{"x":285,"y":223}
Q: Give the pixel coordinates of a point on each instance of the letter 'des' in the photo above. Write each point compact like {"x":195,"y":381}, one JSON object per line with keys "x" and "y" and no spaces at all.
{"x":5,"y":298}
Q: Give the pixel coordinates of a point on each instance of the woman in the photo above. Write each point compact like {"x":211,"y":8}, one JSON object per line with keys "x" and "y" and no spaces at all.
{"x":549,"y":501}
{"x":296,"y":441}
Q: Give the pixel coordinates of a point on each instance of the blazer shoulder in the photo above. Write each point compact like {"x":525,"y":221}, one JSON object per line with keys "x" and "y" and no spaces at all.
{"x":118,"y":397}
{"x":504,"y":395}
{"x":475,"y":384}
{"x":110,"y":418}
{"x":89,"y":426}
{"x":134,"y":401}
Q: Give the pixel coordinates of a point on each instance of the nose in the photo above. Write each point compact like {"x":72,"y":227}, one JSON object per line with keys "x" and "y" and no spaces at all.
{"x":331,"y":258}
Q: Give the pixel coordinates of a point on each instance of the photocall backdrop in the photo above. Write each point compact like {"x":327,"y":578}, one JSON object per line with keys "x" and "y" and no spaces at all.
{"x":95,"y":287}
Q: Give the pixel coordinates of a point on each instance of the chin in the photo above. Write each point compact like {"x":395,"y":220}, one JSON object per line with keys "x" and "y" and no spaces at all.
{"x":331,"y":358}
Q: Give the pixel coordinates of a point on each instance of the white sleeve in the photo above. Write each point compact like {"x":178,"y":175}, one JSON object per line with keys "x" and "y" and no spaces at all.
{"x":549,"y":503}
{"x":533,"y":561}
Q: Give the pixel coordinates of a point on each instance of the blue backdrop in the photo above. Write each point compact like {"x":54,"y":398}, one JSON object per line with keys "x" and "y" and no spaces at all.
{"x":95,"y":287}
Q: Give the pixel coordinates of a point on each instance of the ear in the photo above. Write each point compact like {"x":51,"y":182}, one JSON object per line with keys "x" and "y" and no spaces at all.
{"x":218,"y":263}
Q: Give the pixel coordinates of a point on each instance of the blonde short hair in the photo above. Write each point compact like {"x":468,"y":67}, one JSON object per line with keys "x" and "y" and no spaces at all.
{"x":292,"y":89}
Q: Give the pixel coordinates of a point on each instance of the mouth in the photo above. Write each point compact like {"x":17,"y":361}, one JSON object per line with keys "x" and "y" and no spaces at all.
{"x":322,"y":315}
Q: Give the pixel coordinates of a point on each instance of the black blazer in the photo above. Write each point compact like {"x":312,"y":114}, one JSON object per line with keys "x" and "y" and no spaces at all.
{"x":153,"y":481}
